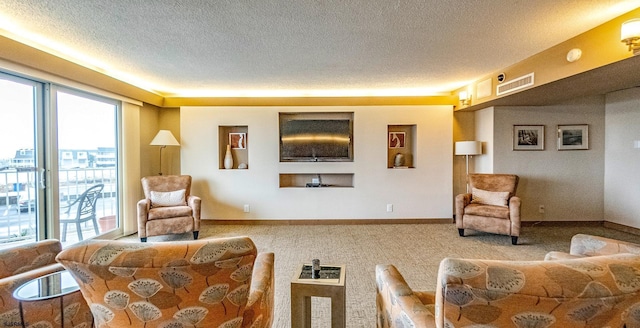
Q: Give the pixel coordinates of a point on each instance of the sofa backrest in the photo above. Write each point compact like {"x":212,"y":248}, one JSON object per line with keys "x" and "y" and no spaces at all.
{"x":23,"y":258}
{"x":589,"y":245}
{"x":494,"y":182}
{"x":166,"y":183}
{"x":188,"y":283}
{"x":600,"y":291}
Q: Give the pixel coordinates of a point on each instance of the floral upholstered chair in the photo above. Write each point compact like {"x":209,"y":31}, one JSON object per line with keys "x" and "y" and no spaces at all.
{"x":23,"y":263}
{"x":598,"y":291}
{"x":200,"y":283}
{"x":583,"y":245}
{"x":491,"y":206}
{"x":168,"y":207}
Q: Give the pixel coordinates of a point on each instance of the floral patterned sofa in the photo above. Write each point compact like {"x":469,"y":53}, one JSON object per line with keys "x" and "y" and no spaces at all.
{"x":583,"y":245}
{"x":23,"y":263}
{"x":200,"y":283}
{"x":595,"y":291}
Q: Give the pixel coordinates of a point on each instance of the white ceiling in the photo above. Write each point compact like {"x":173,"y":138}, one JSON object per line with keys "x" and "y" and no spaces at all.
{"x":302,"y":47}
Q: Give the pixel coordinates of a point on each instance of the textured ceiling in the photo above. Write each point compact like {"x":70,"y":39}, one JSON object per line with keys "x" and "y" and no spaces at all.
{"x":311,"y":47}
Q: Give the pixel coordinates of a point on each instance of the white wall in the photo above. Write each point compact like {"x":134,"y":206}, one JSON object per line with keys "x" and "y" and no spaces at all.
{"x":423,"y":192}
{"x":484,"y":125}
{"x":570,"y":184}
{"x":622,"y":160}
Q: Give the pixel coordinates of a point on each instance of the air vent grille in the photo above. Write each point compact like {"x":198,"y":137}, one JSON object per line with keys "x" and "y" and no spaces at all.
{"x":515,"y":84}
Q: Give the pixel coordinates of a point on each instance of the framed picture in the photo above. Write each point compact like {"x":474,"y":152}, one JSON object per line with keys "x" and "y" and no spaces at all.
{"x":396,"y":139}
{"x":238,"y":140}
{"x":573,"y":137}
{"x":528,"y":137}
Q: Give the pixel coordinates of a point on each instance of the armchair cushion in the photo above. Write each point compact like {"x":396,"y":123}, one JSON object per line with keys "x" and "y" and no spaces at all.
{"x":493,"y":211}
{"x":169,"y":212}
{"x":168,"y":198}
{"x":486,"y":197}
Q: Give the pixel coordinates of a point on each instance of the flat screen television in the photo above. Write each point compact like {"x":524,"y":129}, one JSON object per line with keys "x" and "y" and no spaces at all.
{"x":316,"y":139}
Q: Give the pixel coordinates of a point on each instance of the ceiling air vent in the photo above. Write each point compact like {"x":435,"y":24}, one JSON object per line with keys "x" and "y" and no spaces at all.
{"x":515,"y":84}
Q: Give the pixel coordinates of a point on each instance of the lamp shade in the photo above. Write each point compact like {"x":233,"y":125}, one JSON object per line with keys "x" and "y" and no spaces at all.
{"x":468,"y":147}
{"x":164,"y":138}
{"x":630,"y":29}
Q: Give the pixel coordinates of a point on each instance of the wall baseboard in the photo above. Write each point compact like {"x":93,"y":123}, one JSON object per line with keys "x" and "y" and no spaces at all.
{"x":605,"y":224}
{"x":621,"y":227}
{"x":326,"y":221}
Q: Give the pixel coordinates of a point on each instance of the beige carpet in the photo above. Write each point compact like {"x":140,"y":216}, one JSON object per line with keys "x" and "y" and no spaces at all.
{"x":416,"y":249}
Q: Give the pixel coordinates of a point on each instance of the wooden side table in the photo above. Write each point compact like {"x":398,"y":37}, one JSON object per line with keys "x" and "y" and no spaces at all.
{"x":330,"y":284}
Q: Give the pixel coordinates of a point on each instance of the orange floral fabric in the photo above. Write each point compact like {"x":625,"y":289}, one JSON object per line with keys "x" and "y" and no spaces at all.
{"x":21,"y":264}
{"x":200,"y":283}
{"x":599,"y":291}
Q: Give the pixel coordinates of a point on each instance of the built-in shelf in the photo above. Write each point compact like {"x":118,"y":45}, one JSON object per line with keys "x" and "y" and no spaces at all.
{"x":316,"y":180}
{"x":401,"y":141}
{"x":235,"y":136}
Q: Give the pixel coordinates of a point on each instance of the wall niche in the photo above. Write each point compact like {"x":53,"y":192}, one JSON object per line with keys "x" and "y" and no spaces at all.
{"x":401,"y":141}
{"x":235,"y":137}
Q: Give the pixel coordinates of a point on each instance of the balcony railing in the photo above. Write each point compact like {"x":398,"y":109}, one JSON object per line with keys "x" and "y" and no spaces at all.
{"x":18,"y":192}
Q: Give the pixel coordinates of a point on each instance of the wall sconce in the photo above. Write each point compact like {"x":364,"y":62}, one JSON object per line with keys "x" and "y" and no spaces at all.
{"x":465,"y":98}
{"x":630,"y":35}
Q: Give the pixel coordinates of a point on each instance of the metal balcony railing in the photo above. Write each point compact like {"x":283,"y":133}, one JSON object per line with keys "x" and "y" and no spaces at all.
{"x":18,"y":192}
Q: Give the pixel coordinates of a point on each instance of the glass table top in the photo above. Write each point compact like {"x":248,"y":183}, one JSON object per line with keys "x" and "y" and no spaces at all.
{"x":50,"y":286}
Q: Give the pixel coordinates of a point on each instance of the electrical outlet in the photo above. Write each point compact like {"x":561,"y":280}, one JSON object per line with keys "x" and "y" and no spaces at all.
{"x":389,"y":207}
{"x":541,"y":209}
{"x":247,"y":208}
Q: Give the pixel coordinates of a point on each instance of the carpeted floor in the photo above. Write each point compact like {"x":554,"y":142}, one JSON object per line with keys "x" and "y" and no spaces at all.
{"x":415,"y":249}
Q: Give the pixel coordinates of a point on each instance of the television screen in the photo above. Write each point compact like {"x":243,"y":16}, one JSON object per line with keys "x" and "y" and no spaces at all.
{"x":315,"y":140}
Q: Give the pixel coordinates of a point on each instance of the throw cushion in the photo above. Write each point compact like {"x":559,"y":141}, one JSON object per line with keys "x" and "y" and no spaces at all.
{"x":498,"y":198}
{"x":170,"y":198}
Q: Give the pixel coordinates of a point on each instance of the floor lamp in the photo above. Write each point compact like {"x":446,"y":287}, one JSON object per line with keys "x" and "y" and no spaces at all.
{"x":468,"y":148}
{"x":163,"y":139}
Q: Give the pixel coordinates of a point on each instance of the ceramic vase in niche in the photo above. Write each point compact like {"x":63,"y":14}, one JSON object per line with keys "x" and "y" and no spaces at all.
{"x":398,"y":160}
{"x":228,"y":159}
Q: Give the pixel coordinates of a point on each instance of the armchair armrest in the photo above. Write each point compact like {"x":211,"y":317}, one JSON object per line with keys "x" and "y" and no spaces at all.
{"x":195,"y":203}
{"x":588,"y":245}
{"x":514,"y":215}
{"x":462,"y":200}
{"x":261,"y":294}
{"x":143,"y":212}
{"x":397,"y":305}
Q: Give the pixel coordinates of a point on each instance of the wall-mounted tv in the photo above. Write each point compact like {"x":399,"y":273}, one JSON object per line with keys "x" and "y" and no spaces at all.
{"x":316,"y":137}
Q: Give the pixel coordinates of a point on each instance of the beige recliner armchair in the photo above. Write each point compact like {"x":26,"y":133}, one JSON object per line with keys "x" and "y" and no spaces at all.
{"x":491,"y":206}
{"x":168,"y":207}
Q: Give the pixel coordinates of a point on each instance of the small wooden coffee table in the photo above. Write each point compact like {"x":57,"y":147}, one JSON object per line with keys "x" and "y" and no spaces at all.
{"x":330,"y":284}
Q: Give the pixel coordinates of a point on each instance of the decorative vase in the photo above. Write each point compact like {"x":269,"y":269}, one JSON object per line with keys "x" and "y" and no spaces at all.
{"x":398,"y":161}
{"x":228,"y":159}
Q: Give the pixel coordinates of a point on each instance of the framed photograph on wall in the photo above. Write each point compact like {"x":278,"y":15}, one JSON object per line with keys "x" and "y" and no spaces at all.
{"x":238,"y":140}
{"x":396,"y":139}
{"x":573,"y":137}
{"x":528,"y":137}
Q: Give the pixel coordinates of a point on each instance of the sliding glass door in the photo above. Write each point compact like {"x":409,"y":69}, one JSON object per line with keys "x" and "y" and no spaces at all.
{"x":21,"y":160}
{"x":87,"y":166}
{"x":58,"y":163}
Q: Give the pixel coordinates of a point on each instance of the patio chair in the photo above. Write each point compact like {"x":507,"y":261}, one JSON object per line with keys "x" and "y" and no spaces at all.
{"x":85,"y":206}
